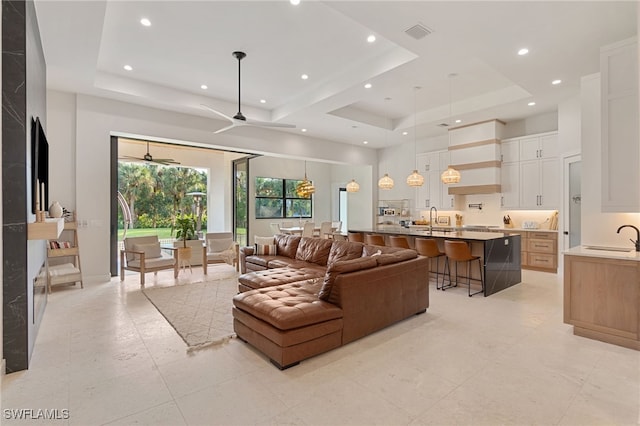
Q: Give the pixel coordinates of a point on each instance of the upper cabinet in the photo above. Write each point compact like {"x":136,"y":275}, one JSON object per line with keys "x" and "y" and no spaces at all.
{"x":530,"y":172}
{"x":620,"y":152}
{"x":433,"y":193}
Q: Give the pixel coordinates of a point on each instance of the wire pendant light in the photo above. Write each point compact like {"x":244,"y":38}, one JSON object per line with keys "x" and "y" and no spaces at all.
{"x":353,"y":186}
{"x":415,"y":178}
{"x":305,"y":188}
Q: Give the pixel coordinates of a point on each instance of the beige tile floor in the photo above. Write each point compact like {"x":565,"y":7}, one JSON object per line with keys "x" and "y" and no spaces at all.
{"x":105,"y":354}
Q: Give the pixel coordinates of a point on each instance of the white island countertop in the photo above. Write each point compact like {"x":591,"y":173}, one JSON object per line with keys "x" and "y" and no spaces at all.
{"x":605,"y":252}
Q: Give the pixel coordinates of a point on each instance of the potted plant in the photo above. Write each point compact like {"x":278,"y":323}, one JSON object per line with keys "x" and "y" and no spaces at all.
{"x":185,"y":228}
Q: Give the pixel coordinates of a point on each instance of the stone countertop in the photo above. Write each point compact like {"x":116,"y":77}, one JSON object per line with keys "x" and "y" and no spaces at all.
{"x":604,"y":252}
{"x":452,"y":235}
{"x":496,"y":229}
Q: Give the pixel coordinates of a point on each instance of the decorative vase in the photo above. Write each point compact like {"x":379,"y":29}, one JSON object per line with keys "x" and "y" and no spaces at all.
{"x":55,"y":209}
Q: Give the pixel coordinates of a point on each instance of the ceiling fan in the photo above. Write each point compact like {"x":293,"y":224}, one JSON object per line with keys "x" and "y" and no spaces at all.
{"x":149,"y":158}
{"x":239,"y":119}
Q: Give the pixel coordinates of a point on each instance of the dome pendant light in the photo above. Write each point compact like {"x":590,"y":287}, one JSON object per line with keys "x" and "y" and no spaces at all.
{"x":450,"y":175}
{"x":385,"y":182}
{"x":415,"y":179}
{"x":305,"y":188}
{"x":353,"y":186}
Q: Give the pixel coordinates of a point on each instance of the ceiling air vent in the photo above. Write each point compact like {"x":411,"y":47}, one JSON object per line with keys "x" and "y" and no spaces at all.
{"x":443,"y":125}
{"x":418,"y":31}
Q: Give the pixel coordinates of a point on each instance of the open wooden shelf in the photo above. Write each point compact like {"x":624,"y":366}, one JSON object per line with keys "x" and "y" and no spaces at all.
{"x":50,"y":229}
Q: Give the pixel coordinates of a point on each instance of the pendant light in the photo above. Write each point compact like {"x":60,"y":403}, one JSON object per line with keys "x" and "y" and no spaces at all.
{"x":385,"y":182}
{"x":353,"y":186}
{"x":305,"y":188}
{"x":415,"y":179}
{"x":450,"y":175}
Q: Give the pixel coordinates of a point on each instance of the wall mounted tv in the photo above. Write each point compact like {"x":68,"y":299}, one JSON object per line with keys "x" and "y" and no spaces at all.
{"x":39,"y":166}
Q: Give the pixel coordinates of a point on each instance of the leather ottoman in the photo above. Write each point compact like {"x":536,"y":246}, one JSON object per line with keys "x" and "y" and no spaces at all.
{"x":287,"y":322}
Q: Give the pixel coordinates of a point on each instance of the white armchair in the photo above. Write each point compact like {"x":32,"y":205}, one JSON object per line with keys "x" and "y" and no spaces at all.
{"x":143,"y":254}
{"x":219,"y":247}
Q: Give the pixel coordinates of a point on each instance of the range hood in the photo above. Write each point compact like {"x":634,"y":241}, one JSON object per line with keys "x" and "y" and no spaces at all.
{"x":475,"y":153}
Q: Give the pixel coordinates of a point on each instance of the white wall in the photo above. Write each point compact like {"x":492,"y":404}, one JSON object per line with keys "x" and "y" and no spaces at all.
{"x":597,"y":228}
{"x":84,"y":124}
{"x":547,"y":122}
{"x":2,"y":361}
{"x":360,"y":212}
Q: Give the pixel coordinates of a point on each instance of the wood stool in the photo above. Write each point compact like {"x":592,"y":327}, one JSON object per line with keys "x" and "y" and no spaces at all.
{"x":428,"y":247}
{"x":459,"y":251}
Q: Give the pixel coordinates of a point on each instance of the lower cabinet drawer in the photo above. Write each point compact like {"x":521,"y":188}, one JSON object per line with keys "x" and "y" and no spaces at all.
{"x":541,"y":246}
{"x":542,"y":260}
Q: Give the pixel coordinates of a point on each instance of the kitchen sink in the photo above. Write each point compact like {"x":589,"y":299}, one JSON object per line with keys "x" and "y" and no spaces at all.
{"x":603,"y":248}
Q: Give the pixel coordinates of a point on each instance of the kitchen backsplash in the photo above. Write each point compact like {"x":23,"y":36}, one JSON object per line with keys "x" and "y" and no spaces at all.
{"x":491,"y":213}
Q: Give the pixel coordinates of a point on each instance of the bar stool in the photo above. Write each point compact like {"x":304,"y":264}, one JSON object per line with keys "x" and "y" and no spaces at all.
{"x":374,"y":240}
{"x":399,"y":241}
{"x":459,"y":251}
{"x":428,"y":247}
{"x":356,"y":237}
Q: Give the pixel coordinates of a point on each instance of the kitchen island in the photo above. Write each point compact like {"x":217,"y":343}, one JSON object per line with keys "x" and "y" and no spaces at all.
{"x":499,"y":252}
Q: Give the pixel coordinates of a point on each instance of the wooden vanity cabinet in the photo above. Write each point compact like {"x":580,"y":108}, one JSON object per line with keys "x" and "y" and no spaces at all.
{"x":602,"y":299}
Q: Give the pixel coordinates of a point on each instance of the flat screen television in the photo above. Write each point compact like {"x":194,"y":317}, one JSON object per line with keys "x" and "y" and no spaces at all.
{"x":39,"y":166}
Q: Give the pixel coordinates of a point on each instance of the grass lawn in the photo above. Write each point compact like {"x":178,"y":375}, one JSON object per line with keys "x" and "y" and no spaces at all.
{"x":160,"y":232}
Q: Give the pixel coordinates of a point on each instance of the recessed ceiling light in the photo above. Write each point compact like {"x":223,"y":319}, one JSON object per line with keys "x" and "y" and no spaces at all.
{"x":523,"y":51}
{"x":304,"y":76}
{"x":303,"y":130}
{"x":554,"y":82}
{"x":367,"y":86}
{"x":365,"y":142}
{"x":263,"y":101}
{"x":145,"y":22}
{"x":128,"y":67}
{"x":294,"y":2}
{"x":204,"y":86}
{"x":371,"y":38}
{"x":531,"y":103}
{"x":405,"y":133}
{"x":458,"y":121}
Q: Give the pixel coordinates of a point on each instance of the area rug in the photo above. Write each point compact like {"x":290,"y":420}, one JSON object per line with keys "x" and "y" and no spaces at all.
{"x":199,"y":312}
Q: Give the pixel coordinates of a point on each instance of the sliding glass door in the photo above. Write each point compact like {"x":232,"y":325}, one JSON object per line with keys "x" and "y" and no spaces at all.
{"x":241,"y":200}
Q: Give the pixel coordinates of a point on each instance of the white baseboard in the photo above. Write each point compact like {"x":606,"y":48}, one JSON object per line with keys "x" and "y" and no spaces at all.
{"x":3,"y":365}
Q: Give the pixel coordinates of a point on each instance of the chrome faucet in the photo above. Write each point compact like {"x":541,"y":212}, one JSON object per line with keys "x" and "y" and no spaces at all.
{"x":431,"y":218}
{"x":637,"y":241}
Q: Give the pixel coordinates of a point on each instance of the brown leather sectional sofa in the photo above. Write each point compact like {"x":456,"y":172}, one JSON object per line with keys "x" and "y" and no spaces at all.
{"x":315,"y":295}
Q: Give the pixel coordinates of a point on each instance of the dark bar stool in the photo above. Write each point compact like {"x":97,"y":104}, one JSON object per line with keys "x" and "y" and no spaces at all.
{"x":428,"y":247}
{"x":399,"y":241}
{"x":356,"y":237}
{"x":374,"y":240}
{"x":459,"y":251}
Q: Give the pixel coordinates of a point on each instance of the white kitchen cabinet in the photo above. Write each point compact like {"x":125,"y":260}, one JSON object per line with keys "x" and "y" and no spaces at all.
{"x":539,"y":184}
{"x":542,"y":146}
{"x":620,"y":150}
{"x":510,"y":184}
{"x":510,"y":151}
{"x":433,"y":193}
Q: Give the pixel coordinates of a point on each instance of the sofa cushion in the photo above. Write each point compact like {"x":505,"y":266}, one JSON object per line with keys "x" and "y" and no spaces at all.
{"x":340,"y":267}
{"x":344,"y":250}
{"x":287,"y":245}
{"x":260,"y":260}
{"x":398,"y":256}
{"x":314,"y":250}
{"x":278,"y":276}
{"x":151,"y":251}
{"x":369,"y":250}
{"x":287,"y":307}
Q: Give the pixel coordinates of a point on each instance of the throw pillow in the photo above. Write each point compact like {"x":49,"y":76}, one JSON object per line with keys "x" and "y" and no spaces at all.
{"x":266,"y":249}
{"x":216,"y":245}
{"x":263,"y":240}
{"x":151,"y":250}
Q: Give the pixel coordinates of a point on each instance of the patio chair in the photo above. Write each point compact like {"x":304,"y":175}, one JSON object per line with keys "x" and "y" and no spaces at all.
{"x":143,"y":254}
{"x":219,"y":247}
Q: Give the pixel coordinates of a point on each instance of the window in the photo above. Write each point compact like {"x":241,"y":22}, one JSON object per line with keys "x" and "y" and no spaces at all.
{"x":277,"y":198}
